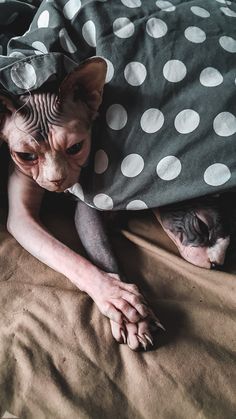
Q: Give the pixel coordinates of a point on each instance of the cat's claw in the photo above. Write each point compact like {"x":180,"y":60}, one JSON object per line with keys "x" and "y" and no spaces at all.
{"x":149,"y":339}
{"x":143,"y":342}
{"x":123,"y":336}
{"x":158,"y":324}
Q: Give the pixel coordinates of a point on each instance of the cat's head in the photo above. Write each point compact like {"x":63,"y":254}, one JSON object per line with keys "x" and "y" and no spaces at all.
{"x":49,"y":134}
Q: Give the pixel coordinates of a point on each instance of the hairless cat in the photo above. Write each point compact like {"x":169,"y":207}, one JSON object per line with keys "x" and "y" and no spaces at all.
{"x":49,"y":138}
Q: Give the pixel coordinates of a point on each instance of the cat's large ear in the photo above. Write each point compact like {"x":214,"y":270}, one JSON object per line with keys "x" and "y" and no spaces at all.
{"x":7,"y":104}
{"x":7,"y":107}
{"x":85,"y":83}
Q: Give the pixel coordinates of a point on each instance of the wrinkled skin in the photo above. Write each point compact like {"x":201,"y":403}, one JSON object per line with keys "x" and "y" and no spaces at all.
{"x":49,"y":137}
{"x":200,"y":230}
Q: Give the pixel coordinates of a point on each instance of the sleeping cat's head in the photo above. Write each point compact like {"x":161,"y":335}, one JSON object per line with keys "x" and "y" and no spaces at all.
{"x":49,"y":136}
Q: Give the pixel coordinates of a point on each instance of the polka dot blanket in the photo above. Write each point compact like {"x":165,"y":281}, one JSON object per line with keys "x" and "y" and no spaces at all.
{"x":167,"y":125}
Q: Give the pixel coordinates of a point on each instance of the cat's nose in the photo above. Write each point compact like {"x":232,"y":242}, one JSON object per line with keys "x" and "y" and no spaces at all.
{"x":58,"y":182}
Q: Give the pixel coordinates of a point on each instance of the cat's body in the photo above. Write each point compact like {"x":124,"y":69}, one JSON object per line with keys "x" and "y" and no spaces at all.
{"x":48,"y":154}
{"x":49,"y":138}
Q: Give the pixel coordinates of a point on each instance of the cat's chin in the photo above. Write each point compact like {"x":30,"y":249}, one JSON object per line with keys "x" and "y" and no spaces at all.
{"x":63,"y":188}
{"x":58,"y":190}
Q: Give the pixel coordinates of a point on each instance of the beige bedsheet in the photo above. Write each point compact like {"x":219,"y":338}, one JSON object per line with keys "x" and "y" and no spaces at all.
{"x":59,"y":360}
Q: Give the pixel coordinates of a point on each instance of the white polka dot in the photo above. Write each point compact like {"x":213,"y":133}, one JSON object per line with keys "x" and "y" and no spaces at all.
{"x":137,"y":204}
{"x":195,"y":34}
{"x":174,"y":71}
{"x":152,"y":120}
{"x":228,"y":43}
{"x":199,"y":11}
{"x":89,"y":33}
{"x":103,"y":201}
{"x":187,"y":121}
{"x":24,"y":76}
{"x":39,"y":47}
{"x":156,"y":28}
{"x":168,"y":168}
{"x":101,"y":162}
{"x":66,"y":42}
{"x":132,"y":3}
{"x":77,"y":190}
{"x":217,"y":174}
{"x":132,"y":165}
{"x":210,"y":77}
{"x":71,"y":8}
{"x":225,"y":2}
{"x":135,"y":73}
{"x":110,"y":70}
{"x":228,"y":12}
{"x":43,"y":20}
{"x":123,"y":27}
{"x":17,"y":54}
{"x":165,"y":5}
{"x":116,"y":116}
{"x":225,"y":124}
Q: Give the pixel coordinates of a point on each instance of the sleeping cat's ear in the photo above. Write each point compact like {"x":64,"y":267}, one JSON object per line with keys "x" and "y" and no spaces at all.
{"x":85,"y":83}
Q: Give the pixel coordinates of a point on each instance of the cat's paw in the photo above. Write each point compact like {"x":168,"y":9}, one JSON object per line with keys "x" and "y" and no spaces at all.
{"x":136,"y":335}
{"x":118,"y":300}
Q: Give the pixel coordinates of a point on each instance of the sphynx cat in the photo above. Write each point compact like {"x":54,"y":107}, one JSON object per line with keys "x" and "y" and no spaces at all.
{"x":49,"y":138}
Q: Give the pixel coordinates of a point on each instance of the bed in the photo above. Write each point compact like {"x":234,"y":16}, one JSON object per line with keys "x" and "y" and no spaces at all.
{"x":58,"y":359}
{"x":57,"y":355}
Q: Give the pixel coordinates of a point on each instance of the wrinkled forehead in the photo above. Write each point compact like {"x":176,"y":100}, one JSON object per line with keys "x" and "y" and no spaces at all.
{"x":42,"y":113}
{"x":49,"y":105}
{"x":39,"y":111}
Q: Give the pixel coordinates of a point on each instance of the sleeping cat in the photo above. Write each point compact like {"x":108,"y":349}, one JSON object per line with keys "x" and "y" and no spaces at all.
{"x":49,"y":138}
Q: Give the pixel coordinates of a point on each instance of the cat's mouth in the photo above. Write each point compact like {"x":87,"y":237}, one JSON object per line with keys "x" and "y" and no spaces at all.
{"x":58,"y":188}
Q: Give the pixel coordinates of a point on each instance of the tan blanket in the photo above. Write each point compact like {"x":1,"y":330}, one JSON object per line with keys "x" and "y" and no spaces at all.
{"x":59,"y":360}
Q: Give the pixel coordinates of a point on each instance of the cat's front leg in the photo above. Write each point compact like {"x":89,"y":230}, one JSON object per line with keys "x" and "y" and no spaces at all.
{"x":108,"y":293}
{"x":94,"y":235}
{"x":126,"y":298}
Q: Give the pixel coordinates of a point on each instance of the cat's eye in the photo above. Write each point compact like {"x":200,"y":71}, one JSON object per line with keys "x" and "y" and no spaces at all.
{"x":74,"y":149}
{"x":27,"y":156}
